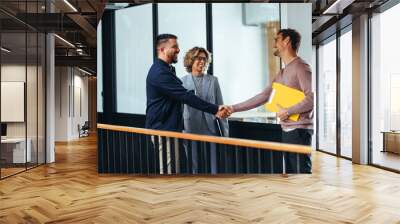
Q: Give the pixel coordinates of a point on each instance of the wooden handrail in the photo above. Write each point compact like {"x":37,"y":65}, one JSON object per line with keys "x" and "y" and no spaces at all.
{"x":206,"y":138}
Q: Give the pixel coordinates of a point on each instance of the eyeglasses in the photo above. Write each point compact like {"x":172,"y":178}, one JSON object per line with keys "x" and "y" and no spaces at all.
{"x":199,"y":58}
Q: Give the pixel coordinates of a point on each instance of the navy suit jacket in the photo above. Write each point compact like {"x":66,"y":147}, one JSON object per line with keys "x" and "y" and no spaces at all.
{"x":165,"y":96}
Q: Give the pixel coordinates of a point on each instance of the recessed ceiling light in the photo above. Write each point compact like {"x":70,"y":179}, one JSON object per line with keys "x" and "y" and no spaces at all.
{"x":70,"y":5}
{"x":5,"y":50}
{"x":337,"y":7}
{"x":64,"y":40}
{"x":84,"y":71}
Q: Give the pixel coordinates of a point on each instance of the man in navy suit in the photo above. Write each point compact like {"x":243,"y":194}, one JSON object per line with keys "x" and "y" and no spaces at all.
{"x":165,"y":93}
{"x":166,"y":96}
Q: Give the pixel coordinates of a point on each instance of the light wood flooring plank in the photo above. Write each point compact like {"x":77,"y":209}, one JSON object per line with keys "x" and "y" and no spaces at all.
{"x":71,"y":191}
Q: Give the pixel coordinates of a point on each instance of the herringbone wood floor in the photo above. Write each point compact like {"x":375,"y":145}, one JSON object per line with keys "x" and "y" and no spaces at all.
{"x":71,"y":191}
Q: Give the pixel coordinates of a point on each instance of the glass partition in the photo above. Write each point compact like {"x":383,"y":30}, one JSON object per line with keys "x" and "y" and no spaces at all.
{"x":327,"y":96}
{"x":31,"y":100}
{"x":134,"y":56}
{"x":22,"y":88}
{"x":346,"y":94}
{"x":385,"y":89}
{"x":188,"y":22}
{"x":14,"y":153}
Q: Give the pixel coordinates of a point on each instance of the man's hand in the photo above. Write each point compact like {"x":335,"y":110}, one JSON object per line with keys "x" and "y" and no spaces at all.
{"x":283,"y":113}
{"x":224,"y":111}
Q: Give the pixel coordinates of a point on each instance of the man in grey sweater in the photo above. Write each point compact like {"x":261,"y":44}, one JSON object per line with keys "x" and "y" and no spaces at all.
{"x":296,"y":74}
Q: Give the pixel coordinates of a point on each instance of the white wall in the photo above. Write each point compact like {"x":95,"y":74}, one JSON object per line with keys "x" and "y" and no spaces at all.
{"x":12,"y":73}
{"x":71,"y":94}
{"x":239,"y":58}
{"x":79,"y":117}
{"x":298,"y":16}
{"x":61,"y":103}
{"x":191,"y":32}
{"x":260,"y":13}
{"x":33,"y":126}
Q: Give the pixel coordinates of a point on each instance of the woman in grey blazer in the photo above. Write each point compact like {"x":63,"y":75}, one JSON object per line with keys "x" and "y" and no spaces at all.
{"x":206,"y":87}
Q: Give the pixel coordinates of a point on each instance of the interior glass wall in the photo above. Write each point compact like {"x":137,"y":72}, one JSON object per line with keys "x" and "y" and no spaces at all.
{"x":22,"y":93}
{"x":327,"y":96}
{"x":188,"y":22}
{"x":134,"y":57}
{"x":134,"y":53}
{"x":346,"y":93}
{"x":385,"y":89}
{"x":13,"y":89}
{"x":241,"y":35}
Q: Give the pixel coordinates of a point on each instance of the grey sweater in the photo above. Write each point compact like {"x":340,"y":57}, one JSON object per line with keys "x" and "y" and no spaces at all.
{"x":297,"y":74}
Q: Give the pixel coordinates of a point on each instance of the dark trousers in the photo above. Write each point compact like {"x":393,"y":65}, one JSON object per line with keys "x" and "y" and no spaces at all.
{"x":212,"y":160}
{"x":297,"y":163}
{"x":195,"y":157}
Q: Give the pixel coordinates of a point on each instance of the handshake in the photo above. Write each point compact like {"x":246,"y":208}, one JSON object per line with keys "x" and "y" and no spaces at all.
{"x":224,"y":111}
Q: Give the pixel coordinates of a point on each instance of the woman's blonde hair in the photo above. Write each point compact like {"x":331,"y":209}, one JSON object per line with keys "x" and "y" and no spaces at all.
{"x":191,"y":55}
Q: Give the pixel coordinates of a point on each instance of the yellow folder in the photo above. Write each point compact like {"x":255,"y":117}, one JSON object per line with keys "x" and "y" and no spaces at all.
{"x":284,"y":97}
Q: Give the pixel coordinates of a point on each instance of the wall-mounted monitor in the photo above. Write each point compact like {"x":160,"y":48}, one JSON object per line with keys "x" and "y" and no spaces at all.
{"x":12,"y":101}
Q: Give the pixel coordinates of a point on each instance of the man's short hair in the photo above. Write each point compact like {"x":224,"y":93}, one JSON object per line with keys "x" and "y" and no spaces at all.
{"x":163,"y":38}
{"x":294,"y":36}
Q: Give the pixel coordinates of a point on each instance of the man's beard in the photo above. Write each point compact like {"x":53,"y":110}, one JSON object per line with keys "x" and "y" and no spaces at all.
{"x":173,"y":57}
{"x":276,"y":53}
{"x":175,"y":60}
